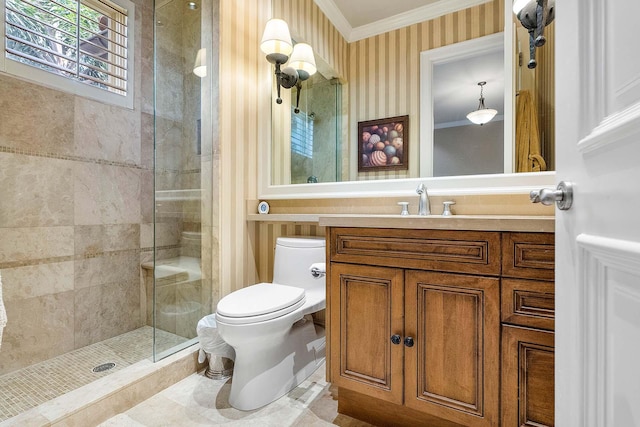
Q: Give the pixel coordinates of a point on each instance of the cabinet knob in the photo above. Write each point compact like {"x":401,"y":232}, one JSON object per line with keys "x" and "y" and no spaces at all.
{"x":396,"y":339}
{"x":408,"y":341}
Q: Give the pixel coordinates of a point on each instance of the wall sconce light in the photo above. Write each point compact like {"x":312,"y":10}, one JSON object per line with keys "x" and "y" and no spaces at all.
{"x":200,"y":66}
{"x":534,"y":15}
{"x":277,"y":45}
{"x":483,"y":114}
{"x":304,"y":63}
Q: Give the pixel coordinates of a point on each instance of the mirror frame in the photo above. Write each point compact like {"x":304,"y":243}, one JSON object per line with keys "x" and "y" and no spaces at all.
{"x":513,"y":183}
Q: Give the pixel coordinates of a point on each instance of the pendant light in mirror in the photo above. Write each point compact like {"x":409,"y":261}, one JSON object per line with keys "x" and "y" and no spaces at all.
{"x":483,"y":114}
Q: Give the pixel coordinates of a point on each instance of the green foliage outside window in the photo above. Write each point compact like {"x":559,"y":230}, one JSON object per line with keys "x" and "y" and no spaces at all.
{"x":47,"y":37}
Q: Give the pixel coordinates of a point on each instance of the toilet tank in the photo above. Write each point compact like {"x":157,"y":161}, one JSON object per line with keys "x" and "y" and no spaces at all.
{"x":293,"y":257}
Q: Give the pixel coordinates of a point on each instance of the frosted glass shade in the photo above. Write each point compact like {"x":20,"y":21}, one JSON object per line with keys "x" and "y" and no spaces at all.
{"x":276,"y":38}
{"x":518,"y":5}
{"x":482,"y":116}
{"x":200,"y":66}
{"x":302,"y":59}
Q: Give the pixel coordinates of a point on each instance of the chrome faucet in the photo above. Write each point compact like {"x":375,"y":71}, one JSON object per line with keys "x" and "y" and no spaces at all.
{"x":423,"y":206}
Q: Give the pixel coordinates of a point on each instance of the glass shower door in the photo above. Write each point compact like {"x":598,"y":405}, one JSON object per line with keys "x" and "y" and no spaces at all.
{"x":183,"y":120}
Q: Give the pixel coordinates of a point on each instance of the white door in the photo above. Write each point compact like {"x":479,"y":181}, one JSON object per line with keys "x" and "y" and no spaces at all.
{"x":598,"y":239}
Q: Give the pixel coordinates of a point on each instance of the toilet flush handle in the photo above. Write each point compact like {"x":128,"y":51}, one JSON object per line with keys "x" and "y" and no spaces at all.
{"x":318,"y":269}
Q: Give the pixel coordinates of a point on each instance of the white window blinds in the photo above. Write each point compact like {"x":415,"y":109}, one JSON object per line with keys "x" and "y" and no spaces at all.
{"x":84,"y":40}
{"x":301,"y":133}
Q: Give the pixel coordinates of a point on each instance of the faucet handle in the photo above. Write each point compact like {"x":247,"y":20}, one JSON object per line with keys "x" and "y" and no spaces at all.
{"x":405,"y":208}
{"x":446,"y":210}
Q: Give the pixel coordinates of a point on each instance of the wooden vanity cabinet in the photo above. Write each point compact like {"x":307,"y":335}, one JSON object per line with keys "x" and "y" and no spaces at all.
{"x":528,"y":313}
{"x":452,"y":370}
{"x":367,"y":309}
{"x":413,"y":323}
{"x":416,"y":320}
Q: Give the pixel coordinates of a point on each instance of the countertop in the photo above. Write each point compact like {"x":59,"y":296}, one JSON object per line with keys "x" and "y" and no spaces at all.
{"x":539,"y":224}
{"x":439,"y":222}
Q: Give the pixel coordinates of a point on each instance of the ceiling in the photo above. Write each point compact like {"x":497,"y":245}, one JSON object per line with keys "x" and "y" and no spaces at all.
{"x":362,"y":12}
{"x":359,"y":19}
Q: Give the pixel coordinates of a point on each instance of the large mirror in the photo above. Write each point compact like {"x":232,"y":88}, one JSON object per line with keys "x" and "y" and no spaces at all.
{"x":438,"y":148}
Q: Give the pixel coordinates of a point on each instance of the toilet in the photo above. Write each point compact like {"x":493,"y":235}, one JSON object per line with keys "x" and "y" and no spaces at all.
{"x":270,"y":327}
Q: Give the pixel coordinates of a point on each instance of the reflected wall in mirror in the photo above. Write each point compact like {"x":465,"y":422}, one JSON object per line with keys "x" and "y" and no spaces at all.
{"x":535,"y":102}
{"x":450,"y":78}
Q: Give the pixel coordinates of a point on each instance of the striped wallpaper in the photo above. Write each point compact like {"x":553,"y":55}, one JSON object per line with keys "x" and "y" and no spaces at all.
{"x":546,"y":95}
{"x":244,"y":74}
{"x":309,"y":24}
{"x":245,"y":115}
{"x":383,"y":76}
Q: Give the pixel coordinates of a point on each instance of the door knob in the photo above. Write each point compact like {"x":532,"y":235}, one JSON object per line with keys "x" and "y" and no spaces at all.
{"x":396,"y":339}
{"x":562,"y":195}
{"x":408,"y":341}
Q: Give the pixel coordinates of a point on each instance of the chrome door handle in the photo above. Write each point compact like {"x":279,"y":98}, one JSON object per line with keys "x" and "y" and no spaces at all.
{"x":562,"y":195}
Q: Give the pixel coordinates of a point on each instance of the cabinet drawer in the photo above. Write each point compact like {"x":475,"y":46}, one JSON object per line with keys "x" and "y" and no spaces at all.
{"x":528,"y":303}
{"x":472,"y":252}
{"x":528,"y":255}
{"x":528,"y":363}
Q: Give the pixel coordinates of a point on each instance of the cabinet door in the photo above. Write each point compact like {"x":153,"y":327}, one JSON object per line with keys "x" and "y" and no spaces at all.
{"x":452,"y":370}
{"x":527,"y":377}
{"x":366,"y":310}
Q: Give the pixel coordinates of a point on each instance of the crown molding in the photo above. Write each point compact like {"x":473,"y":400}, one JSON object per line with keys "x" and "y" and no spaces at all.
{"x":329,"y":8}
{"x":394,"y":22}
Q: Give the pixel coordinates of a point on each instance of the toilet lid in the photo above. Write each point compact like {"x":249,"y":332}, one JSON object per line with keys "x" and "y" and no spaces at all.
{"x":260,"y":302}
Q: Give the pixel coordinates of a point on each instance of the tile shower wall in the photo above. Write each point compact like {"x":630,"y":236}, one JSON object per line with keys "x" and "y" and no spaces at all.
{"x":76,"y":202}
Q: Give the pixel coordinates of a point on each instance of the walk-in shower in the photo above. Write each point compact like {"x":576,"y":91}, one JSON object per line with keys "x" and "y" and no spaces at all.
{"x":108,"y":241}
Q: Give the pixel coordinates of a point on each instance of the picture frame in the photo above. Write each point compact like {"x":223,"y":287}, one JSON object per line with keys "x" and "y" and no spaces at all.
{"x":383,"y":144}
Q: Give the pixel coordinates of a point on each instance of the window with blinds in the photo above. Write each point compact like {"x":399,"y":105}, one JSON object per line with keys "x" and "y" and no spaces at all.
{"x":301,"y":133}
{"x":82,"y":40}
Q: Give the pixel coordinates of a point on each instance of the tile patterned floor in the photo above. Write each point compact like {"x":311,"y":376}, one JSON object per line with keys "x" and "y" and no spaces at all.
{"x":29,"y":387}
{"x":200,"y":401}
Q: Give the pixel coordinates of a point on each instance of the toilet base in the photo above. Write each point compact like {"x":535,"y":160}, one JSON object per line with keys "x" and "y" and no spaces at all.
{"x":262,"y":375}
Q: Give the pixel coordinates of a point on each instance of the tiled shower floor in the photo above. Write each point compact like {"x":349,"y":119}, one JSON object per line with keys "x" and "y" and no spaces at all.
{"x":31,"y":386}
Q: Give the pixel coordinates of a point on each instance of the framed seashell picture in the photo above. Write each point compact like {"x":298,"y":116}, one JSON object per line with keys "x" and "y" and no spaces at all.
{"x":382,"y":144}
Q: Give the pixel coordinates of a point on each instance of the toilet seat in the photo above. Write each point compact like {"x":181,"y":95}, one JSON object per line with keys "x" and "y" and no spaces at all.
{"x":257,"y":303}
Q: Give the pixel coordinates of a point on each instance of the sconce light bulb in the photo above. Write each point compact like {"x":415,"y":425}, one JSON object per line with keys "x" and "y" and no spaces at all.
{"x":200,"y":65}
{"x":276,"y":40}
{"x":303,"y":61}
{"x":518,"y":5}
